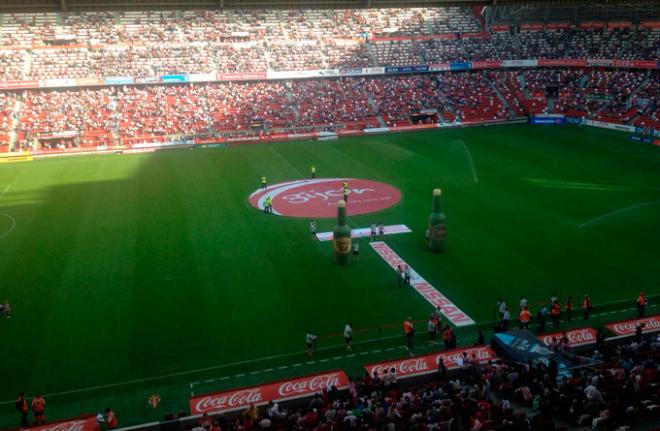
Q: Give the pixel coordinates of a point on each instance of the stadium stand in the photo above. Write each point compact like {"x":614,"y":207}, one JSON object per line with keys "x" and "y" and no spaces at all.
{"x":498,"y":395}
{"x":148,"y":44}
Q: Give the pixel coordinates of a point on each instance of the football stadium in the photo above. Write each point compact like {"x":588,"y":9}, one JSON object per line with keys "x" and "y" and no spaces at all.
{"x":329,"y":215}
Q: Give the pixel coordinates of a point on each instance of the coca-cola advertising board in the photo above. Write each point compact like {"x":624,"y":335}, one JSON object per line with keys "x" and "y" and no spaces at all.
{"x":283,"y":390}
{"x":427,"y":364}
{"x":576,"y":337}
{"x":627,"y":327}
{"x":83,"y":423}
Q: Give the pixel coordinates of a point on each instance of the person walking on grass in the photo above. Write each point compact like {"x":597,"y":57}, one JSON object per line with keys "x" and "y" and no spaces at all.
{"x":356,"y":251}
{"x":399,"y":275}
{"x":5,"y":310}
{"x":348,"y":336}
{"x":310,"y":340}
{"x":524,"y":303}
{"x":586,"y":307}
{"x":312,"y":171}
{"x":541,"y":316}
{"x":448,"y":338}
{"x":312,"y":228}
{"x":569,"y":308}
{"x":501,"y":307}
{"x":39,"y":410}
{"x":22,"y":407}
{"x":641,"y":304}
{"x":381,"y":231}
{"x":263,"y":182}
{"x":268,"y":205}
{"x":555,"y":313}
{"x":432,"y":330}
{"x":406,"y":274}
{"x":110,"y":419}
{"x":525,"y":317}
{"x":409,"y":331}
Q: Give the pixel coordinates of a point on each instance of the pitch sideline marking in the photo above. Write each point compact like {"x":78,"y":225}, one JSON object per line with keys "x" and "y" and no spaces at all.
{"x":5,"y":191}
{"x":199,"y":370}
{"x":423,"y":287}
{"x":469,"y":154}
{"x":11,"y":219}
{"x":620,"y":210}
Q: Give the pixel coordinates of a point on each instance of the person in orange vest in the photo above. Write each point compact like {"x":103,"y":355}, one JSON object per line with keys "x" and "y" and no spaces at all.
{"x":409,"y":331}
{"x":38,"y":409}
{"x":555,"y":312}
{"x":641,"y":304}
{"x":110,"y":419}
{"x":525,"y":317}
{"x":586,"y":306}
{"x":22,"y":407}
{"x":569,"y":308}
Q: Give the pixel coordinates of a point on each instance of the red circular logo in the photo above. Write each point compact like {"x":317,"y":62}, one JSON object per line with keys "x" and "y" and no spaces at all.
{"x":318,"y":198}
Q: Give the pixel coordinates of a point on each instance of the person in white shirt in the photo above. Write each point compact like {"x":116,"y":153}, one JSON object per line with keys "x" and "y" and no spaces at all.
{"x":501,"y":307}
{"x":348,"y":335}
{"x":373,"y":231}
{"x":523,"y":302}
{"x":310,"y":339}
{"x":356,"y":251}
{"x":312,"y":228}
{"x":406,"y":274}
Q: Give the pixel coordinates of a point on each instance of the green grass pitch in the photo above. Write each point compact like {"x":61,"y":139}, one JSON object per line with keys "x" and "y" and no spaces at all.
{"x":125,"y":268}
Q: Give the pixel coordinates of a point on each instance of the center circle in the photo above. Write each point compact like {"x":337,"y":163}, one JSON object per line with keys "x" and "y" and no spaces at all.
{"x":317,"y":198}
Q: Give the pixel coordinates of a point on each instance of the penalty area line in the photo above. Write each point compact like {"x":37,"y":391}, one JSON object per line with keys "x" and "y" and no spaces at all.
{"x":619,"y":211}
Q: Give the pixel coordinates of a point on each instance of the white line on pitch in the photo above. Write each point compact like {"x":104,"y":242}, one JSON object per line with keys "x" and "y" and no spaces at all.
{"x":4,"y":191}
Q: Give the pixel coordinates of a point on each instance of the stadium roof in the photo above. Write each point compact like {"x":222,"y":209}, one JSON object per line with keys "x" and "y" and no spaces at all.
{"x":64,"y":5}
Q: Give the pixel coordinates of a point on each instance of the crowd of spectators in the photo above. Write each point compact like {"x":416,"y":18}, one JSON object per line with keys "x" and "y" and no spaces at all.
{"x":7,"y":103}
{"x":130,"y":114}
{"x":144,"y":43}
{"x":621,"y":387}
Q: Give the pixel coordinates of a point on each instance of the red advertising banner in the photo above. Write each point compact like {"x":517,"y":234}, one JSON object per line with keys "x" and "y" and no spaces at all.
{"x":241,"y":76}
{"x":531,"y":26}
{"x":422,"y":365}
{"x":482,"y":35}
{"x":10,"y":85}
{"x":645,"y":64}
{"x":488,"y":64}
{"x":390,"y":38}
{"x":84,"y":423}
{"x":259,"y":395}
{"x":654,"y":25}
{"x":557,"y":26}
{"x":444,"y":36}
{"x":500,"y":27}
{"x":571,"y":62}
{"x":627,"y":327}
{"x":576,"y":337}
{"x":592,"y":24}
{"x":619,"y":24}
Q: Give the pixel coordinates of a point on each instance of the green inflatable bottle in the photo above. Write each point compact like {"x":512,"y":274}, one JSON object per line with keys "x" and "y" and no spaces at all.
{"x":437,"y":228}
{"x":341,"y":237}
